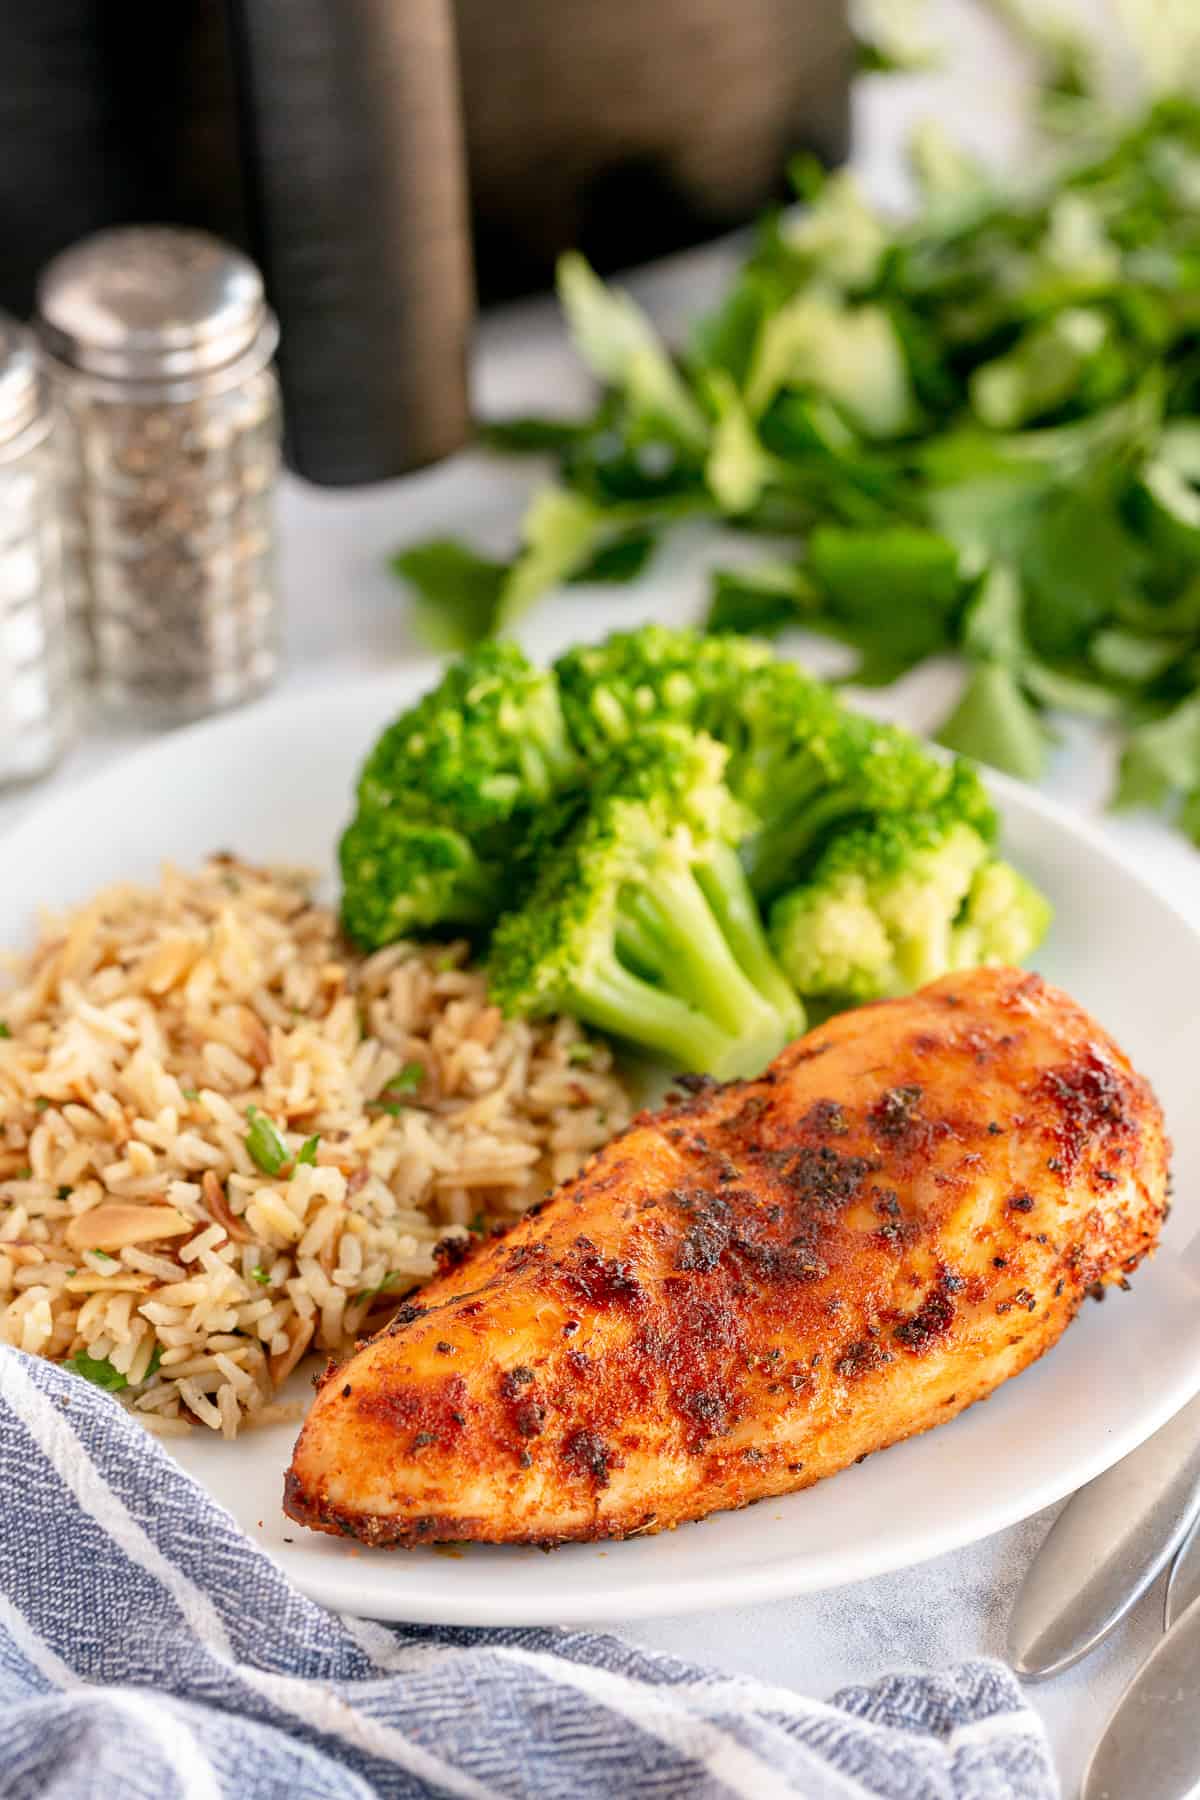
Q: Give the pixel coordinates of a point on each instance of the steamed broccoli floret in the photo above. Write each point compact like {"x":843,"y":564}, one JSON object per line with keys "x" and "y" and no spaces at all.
{"x":653,"y":675}
{"x":805,"y":765}
{"x":799,"y":759}
{"x":1003,"y":922}
{"x":894,"y":904}
{"x":487,"y":746}
{"x":876,"y":914}
{"x":447,"y":797}
{"x":640,"y":921}
{"x":401,"y":876}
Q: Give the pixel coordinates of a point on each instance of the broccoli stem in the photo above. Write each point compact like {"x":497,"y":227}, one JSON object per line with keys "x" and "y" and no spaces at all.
{"x":614,"y":999}
{"x":701,"y":965}
{"x":638,"y":946}
{"x":724,"y":884}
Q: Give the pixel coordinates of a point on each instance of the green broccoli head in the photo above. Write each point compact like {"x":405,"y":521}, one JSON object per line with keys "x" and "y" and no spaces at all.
{"x":402,"y":876}
{"x":488,"y":745}
{"x":640,"y":920}
{"x":655,"y":674}
{"x":1004,"y":920}
{"x":807,"y":766}
{"x":798,"y":758}
{"x":448,"y":796}
{"x":895,"y":903}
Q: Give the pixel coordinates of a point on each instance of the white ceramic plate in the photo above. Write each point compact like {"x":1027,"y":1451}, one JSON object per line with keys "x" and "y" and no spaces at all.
{"x":272,"y":783}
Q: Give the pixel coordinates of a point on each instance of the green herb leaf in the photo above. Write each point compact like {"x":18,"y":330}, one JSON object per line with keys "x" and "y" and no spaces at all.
{"x":992,"y":626}
{"x":532,"y":436}
{"x":1132,"y":656}
{"x":839,"y":237}
{"x":307,"y":1153}
{"x":726,"y":337}
{"x":261,"y":1275}
{"x":4,"y":1031}
{"x":761,"y":601}
{"x":877,"y":59}
{"x":1071,"y":693}
{"x":850,"y":354}
{"x":267,"y":1149}
{"x":621,"y":346}
{"x":104,"y":1257}
{"x":99,"y":1371}
{"x":893,"y":592}
{"x":580,"y":1053}
{"x":995,"y":723}
{"x":1162,"y":758}
{"x":456,"y":592}
{"x":738,"y":468}
{"x":1078,"y":564}
{"x":1042,"y":372}
{"x":406,"y":1080}
{"x":1189,"y":816}
{"x":619,"y":562}
{"x":152,"y":1367}
{"x":561,"y":533}
{"x":41,"y":1103}
{"x":190,"y":1093}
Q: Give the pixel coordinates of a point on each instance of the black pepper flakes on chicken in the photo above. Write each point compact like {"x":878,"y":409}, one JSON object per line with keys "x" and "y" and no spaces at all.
{"x":662,"y":1341}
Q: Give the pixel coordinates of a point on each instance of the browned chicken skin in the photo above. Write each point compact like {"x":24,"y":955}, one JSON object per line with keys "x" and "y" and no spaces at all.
{"x":758,"y":1285}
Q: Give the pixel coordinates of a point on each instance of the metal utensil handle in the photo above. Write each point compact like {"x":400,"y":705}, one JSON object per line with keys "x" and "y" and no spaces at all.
{"x":1151,"y":1745}
{"x":1105,"y":1548}
{"x":1184,"y":1584}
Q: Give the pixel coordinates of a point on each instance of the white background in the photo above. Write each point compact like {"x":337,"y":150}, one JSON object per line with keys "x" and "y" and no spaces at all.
{"x":346,"y":615}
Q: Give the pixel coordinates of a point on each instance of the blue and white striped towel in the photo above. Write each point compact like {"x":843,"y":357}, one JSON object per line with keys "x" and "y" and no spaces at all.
{"x":148,"y":1649}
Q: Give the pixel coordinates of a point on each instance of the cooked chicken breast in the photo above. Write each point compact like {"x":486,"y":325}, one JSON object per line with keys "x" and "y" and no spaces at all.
{"x":758,"y":1285}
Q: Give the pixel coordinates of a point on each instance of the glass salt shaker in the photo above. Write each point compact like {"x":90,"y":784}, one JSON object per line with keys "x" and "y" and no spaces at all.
{"x":159,"y":344}
{"x":34,"y":682}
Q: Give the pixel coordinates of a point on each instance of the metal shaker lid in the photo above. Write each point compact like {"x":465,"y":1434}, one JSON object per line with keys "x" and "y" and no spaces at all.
{"x":19,"y":390}
{"x":151,"y":303}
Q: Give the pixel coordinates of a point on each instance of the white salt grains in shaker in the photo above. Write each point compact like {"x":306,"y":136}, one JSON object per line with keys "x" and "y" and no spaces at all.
{"x":159,"y":344}
{"x":34,"y":680}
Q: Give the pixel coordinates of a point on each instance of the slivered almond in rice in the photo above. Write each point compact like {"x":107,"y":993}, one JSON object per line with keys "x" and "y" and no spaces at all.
{"x":152,"y":1020}
{"x":218,"y":1208}
{"x":112,"y":1227}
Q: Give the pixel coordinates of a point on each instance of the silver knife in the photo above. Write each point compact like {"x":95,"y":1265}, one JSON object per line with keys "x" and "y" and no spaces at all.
{"x":1184,"y":1585}
{"x":1105,"y":1548}
{"x":1151,"y":1746}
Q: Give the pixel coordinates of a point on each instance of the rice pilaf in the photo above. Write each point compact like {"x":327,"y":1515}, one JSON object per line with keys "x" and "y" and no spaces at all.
{"x":168,"y":1056}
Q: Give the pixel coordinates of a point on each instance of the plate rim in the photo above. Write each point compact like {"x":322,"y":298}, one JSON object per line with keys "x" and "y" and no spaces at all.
{"x":346,"y":1588}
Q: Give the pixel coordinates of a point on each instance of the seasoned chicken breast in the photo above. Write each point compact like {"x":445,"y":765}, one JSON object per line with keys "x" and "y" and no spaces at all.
{"x":763,"y":1282}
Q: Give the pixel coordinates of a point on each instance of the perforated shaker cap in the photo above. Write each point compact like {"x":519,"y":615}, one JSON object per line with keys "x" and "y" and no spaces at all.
{"x":152,"y":303}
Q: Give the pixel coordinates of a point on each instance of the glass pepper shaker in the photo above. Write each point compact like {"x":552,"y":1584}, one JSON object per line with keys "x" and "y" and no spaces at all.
{"x":34,"y":684}
{"x":159,"y":345}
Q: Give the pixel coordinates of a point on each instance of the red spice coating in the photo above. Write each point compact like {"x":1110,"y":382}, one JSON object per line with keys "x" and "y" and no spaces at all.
{"x":760,"y":1284}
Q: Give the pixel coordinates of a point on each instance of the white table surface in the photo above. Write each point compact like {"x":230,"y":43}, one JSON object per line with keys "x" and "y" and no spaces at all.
{"x":346,"y":615}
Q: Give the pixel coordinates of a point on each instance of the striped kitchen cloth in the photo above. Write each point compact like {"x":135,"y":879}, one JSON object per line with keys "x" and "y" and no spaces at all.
{"x":148,"y":1649}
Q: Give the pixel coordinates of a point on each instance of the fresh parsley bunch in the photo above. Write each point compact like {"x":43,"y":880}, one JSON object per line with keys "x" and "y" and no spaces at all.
{"x":977,"y":431}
